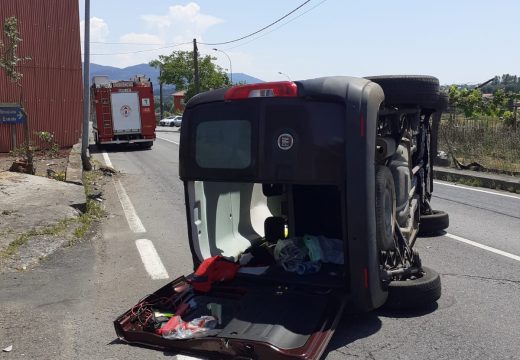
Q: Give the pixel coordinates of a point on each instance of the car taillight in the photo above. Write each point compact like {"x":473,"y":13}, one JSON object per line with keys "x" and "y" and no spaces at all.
{"x":270,"y":89}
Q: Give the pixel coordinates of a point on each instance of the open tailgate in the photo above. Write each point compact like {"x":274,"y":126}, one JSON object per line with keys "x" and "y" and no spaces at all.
{"x":255,"y":320}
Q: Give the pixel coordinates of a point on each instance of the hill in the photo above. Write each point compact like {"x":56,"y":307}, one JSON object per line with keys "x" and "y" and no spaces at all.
{"x":245,"y":79}
{"x":115,"y":73}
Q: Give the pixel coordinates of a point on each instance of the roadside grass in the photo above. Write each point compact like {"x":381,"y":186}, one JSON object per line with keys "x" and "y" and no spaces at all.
{"x":52,"y":230}
{"x":487,"y":141}
{"x":491,"y":144}
{"x":81,"y":224}
{"x":93,"y":209}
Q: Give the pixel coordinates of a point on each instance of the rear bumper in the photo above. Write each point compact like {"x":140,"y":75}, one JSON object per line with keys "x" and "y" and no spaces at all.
{"x":130,"y":141}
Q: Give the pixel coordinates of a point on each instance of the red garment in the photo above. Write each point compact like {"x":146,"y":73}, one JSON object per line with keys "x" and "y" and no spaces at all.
{"x":213,"y":269}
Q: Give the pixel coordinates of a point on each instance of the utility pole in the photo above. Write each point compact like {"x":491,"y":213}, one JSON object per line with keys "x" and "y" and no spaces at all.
{"x":86,"y":91}
{"x":160,"y":92}
{"x":196,"y":64}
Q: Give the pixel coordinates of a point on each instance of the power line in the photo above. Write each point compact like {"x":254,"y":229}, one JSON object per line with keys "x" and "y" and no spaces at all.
{"x":131,"y":43}
{"x":141,"y":51}
{"x":278,"y":27}
{"x":220,"y":43}
{"x":262,"y":29}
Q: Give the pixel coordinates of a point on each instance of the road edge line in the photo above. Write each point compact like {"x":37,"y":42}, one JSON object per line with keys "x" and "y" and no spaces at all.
{"x":484,"y":247}
{"x":132,"y":219}
{"x":473,"y":189}
{"x":107,"y":160}
{"x":158,"y":137}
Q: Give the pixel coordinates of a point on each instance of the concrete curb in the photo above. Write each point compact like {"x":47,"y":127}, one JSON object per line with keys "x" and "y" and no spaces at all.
{"x":74,"y":173}
{"x":475,"y":178}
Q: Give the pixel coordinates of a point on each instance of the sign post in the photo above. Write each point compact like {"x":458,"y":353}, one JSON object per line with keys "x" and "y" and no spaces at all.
{"x":12,"y":114}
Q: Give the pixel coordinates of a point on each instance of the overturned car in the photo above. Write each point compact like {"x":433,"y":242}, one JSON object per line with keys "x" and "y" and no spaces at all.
{"x":303,"y":199}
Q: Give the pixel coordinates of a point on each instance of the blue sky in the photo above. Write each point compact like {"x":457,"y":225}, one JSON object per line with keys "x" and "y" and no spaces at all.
{"x":459,"y":41}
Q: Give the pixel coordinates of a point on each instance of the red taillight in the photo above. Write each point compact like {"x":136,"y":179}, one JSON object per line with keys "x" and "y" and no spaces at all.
{"x":270,"y":89}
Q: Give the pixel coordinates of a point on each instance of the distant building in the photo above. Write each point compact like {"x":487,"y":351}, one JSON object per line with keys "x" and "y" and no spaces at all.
{"x":52,"y":79}
{"x":178,"y":101}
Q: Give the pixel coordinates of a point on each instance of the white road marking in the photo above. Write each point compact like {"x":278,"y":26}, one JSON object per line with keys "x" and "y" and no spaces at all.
{"x":485,"y":247}
{"x":478,"y":190}
{"x":176,"y":143}
{"x":185,"y":357}
{"x":131,"y":216}
{"x":107,"y":159}
{"x":149,"y":256}
{"x":151,"y":260}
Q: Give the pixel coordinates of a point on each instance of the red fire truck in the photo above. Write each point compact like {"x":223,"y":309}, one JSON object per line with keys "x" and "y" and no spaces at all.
{"x":122,"y":112}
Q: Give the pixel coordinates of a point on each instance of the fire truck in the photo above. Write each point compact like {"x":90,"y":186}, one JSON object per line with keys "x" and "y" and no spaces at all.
{"x":122,"y":112}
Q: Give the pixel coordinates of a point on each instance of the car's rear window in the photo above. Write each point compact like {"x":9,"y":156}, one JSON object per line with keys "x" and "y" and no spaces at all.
{"x":223,"y":144}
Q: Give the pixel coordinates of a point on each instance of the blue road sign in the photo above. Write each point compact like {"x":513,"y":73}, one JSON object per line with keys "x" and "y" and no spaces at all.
{"x":11,"y":114}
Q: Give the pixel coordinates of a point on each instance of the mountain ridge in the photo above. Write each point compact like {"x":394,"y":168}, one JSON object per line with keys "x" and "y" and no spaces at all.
{"x":115,"y":73}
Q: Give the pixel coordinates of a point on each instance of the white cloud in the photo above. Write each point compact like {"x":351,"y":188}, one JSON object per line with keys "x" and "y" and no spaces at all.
{"x":179,"y":24}
{"x":182,"y":23}
{"x":98,"y":30}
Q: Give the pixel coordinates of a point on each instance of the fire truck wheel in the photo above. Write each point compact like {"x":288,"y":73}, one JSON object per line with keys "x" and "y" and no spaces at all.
{"x":414,"y":293}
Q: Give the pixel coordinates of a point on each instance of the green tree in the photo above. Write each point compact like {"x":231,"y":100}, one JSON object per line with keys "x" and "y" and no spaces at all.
{"x":9,"y":61}
{"x":468,"y":100}
{"x":178,"y":69}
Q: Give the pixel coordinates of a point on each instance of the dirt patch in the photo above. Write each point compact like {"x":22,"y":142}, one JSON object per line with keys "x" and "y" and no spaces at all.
{"x":46,"y":164}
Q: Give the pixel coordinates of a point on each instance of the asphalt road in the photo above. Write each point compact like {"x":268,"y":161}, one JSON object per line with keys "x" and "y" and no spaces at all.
{"x":64,"y":309}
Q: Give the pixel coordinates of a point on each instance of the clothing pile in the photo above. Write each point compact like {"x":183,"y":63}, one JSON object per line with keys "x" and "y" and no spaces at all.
{"x":305,"y":255}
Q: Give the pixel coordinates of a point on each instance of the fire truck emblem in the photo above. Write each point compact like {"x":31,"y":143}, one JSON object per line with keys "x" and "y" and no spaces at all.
{"x":285,"y":141}
{"x":125,"y":110}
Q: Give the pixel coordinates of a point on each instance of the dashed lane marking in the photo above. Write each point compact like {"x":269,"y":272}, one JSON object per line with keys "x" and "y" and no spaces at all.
{"x":477,"y":190}
{"x":151,"y":260}
{"x":484,"y":247}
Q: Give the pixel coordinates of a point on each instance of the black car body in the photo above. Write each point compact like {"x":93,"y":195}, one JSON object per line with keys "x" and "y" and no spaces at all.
{"x":265,"y":162}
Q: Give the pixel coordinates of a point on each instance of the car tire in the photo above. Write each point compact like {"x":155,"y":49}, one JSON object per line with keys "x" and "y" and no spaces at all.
{"x":411,"y":90}
{"x":385,"y":208}
{"x":414,"y":293}
{"x":434,"y":223}
{"x":443,"y":102}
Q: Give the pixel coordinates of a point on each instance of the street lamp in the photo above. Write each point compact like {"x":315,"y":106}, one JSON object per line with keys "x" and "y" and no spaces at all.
{"x":230,"y":68}
{"x":284,"y":74}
